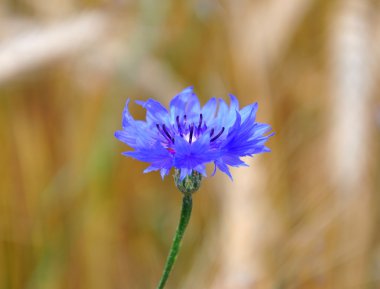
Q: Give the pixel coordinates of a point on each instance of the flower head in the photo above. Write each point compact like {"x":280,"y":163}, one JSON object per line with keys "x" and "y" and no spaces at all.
{"x":188,"y":136}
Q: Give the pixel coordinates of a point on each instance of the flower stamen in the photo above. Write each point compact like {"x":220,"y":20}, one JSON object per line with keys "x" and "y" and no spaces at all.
{"x":165,"y":133}
{"x":191,"y":133}
{"x":161,"y":132}
{"x":200,"y":122}
{"x":218,"y":135}
{"x":168,"y":134}
{"x":179,"y":126}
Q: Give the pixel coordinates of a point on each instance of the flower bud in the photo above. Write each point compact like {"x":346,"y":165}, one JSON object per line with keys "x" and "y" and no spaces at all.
{"x":190,"y":184}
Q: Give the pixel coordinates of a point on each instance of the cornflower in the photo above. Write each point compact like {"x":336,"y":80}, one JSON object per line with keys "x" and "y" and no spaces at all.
{"x":187,"y":137}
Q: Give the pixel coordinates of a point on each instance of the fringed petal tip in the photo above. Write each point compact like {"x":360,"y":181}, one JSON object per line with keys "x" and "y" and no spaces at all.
{"x":224,"y":168}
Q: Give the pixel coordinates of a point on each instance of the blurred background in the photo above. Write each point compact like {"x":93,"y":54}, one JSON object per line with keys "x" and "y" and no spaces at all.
{"x":74,"y":213}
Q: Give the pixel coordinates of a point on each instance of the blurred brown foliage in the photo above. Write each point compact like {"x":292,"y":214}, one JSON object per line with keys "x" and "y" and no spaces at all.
{"x":74,"y":213}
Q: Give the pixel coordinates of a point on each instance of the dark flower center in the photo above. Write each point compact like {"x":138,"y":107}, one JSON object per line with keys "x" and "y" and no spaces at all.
{"x":188,"y":132}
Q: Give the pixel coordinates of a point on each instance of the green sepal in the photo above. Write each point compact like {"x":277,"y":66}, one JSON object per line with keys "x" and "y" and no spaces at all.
{"x":190,"y":184}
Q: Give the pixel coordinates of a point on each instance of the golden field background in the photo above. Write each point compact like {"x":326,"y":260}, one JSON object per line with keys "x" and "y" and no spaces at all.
{"x":74,"y":213}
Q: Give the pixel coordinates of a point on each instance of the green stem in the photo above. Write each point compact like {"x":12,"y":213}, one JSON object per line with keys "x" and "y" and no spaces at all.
{"x":184,"y":220}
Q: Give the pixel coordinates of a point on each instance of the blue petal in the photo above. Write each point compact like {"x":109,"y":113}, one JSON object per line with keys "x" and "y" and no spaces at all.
{"x":127,"y":117}
{"x":249,"y":110}
{"x":226,"y":115}
{"x":222,"y":111}
{"x":201,"y":169}
{"x":164,"y":172}
{"x":184,"y":172}
{"x":245,"y":138}
{"x":234,"y":161}
{"x":191,"y":156}
{"x":234,"y":103}
{"x":158,"y":156}
{"x":123,"y":136}
{"x":214,"y":171}
{"x":260,"y":129}
{"x":137,"y":133}
{"x":266,"y":149}
{"x":223,"y":167}
{"x":151,"y":169}
{"x":155,"y":111}
{"x":209,"y":110}
{"x":234,"y":130}
{"x":185,"y":103}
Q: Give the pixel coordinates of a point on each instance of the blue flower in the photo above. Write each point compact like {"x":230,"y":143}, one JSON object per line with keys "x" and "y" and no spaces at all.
{"x":188,"y":136}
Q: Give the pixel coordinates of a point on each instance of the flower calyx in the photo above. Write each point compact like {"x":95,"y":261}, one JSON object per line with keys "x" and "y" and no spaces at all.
{"x":190,"y":184}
